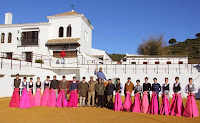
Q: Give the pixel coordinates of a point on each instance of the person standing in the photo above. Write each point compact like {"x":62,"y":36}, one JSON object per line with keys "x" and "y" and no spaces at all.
{"x":129,"y":86}
{"x":14,"y":102}
{"x":17,"y":82}
{"x":64,"y":85}
{"x":100,"y":74}
{"x":83,"y":89}
{"x":38,"y":84}
{"x":147,"y":87}
{"x":119,"y":86}
{"x":47,"y":83}
{"x":63,"y":55}
{"x":30,"y":84}
{"x":156,"y":88}
{"x":177,"y":86}
{"x":24,"y":84}
{"x":91,"y":91}
{"x":166,"y":88}
{"x":138,"y":87}
{"x":54,"y":85}
{"x":100,"y":88}
{"x":109,"y":90}
{"x":73,"y":85}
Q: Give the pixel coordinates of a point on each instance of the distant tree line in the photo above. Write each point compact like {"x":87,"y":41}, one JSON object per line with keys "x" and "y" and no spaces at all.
{"x":155,"y":45}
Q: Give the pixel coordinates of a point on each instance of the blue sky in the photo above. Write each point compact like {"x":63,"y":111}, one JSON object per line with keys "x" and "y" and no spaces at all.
{"x":119,"y":25}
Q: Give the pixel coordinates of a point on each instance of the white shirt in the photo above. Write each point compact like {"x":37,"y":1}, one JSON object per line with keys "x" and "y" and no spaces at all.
{"x":186,"y":88}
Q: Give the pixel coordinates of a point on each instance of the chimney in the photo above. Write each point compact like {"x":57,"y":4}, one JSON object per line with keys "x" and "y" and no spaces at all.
{"x":8,"y":18}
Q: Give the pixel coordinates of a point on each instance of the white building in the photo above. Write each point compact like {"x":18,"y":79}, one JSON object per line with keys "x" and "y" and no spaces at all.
{"x":70,"y":31}
{"x":154,"y":59}
{"x":23,"y":45}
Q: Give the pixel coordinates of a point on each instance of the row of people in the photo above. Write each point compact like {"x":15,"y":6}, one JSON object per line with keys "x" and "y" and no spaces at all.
{"x":92,"y":86}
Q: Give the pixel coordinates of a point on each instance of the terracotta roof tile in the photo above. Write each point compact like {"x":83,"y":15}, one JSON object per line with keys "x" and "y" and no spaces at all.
{"x":70,"y":13}
{"x":63,"y":41}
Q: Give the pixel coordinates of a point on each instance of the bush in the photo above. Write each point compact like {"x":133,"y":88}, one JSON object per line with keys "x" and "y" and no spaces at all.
{"x":39,"y":61}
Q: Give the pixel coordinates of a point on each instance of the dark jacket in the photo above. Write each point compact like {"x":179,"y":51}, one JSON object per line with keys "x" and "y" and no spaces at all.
{"x":110,"y":88}
{"x":100,"y":88}
{"x":54,"y":84}
{"x":17,"y":83}
{"x":83,"y":88}
{"x":64,"y":84}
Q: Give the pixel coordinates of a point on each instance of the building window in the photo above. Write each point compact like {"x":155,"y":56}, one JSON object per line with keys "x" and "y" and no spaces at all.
{"x":69,"y":31}
{"x":29,"y":38}
{"x":61,"y":32}
{"x":9,"y":37}
{"x":2,"y":37}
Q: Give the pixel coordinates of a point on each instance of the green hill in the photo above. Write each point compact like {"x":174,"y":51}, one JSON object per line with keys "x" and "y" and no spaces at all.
{"x":190,"y":47}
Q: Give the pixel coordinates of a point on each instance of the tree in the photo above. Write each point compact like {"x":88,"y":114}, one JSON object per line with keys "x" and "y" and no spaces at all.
{"x":153,"y":46}
{"x":198,"y":35}
{"x":172,"y":41}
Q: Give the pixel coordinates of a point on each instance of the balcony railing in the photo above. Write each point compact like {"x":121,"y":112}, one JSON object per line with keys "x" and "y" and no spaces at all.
{"x":28,"y":42}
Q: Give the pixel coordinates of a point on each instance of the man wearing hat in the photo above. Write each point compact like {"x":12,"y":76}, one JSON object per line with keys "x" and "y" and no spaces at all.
{"x":100,"y":74}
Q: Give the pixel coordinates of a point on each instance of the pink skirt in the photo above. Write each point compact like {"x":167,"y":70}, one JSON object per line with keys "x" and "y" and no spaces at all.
{"x":176,"y":107}
{"x":24,"y":101}
{"x":145,"y":102}
{"x":153,"y":108}
{"x":61,"y":101}
{"x":137,"y":104}
{"x":164,"y":110}
{"x":38,"y":97}
{"x":118,"y":102}
{"x":14,"y":102}
{"x":73,"y":99}
{"x":32,"y":100}
{"x":45,"y":97}
{"x":191,"y":109}
{"x":127,"y":103}
{"x":52,"y":98}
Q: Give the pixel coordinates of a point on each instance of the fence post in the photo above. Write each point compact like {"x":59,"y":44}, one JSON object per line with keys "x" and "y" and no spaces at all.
{"x":41,"y":61}
{"x":191,"y":68}
{"x":146,"y":68}
{"x":157,"y":68}
{"x":31,"y":58}
{"x":11,"y":63}
{"x":20,"y":65}
{"x":50,"y":61}
{"x":179,"y":69}
{"x":106,"y":68}
{"x":125,"y":68}
{"x":115,"y":68}
{"x":168,"y":68}
{"x":135,"y":69}
{"x":1,"y":62}
{"x":88,"y":68}
{"x":77,"y":61}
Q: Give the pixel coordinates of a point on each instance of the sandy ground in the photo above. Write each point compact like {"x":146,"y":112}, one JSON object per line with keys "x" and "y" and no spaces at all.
{"x":82,"y":115}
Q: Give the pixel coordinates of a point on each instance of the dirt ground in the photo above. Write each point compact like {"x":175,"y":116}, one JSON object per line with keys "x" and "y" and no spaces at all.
{"x":82,"y":115}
